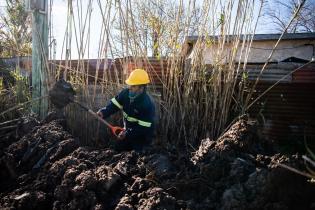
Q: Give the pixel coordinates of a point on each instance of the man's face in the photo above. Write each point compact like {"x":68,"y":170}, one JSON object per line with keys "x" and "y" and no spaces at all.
{"x":135,"y":89}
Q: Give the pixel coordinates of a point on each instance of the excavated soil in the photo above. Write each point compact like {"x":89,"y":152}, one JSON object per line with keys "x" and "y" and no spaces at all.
{"x":47,"y":168}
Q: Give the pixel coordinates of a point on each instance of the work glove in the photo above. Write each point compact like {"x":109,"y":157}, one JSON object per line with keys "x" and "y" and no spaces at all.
{"x":121,"y":135}
{"x":99,"y":113}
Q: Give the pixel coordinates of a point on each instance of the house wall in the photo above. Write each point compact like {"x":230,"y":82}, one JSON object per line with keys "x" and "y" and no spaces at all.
{"x":260,"y":51}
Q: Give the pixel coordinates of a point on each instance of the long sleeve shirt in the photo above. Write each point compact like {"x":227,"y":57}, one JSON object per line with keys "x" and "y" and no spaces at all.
{"x":139,"y":114}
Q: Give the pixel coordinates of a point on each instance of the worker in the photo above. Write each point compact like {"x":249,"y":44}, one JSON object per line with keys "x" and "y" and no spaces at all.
{"x":138,"y":112}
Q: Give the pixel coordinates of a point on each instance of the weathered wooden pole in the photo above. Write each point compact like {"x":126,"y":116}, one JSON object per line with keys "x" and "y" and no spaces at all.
{"x":40,"y":75}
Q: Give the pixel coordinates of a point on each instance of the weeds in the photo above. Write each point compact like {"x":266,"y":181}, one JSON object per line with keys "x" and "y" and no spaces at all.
{"x":14,"y":90}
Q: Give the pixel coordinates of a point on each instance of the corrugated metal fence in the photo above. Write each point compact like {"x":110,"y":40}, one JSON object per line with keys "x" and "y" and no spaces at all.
{"x":287,"y":111}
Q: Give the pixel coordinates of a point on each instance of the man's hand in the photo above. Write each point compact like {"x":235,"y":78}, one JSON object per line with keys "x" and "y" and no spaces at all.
{"x":122,"y":135}
{"x":100,"y":114}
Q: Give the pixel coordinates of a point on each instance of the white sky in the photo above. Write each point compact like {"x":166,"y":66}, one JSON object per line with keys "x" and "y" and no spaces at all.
{"x":59,"y":27}
{"x":59,"y":18}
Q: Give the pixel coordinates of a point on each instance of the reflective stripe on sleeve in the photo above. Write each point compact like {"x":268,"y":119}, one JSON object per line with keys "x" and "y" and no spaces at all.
{"x":116,"y":103}
{"x":130,"y":119}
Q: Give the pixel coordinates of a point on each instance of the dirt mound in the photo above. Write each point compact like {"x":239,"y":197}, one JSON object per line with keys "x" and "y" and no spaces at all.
{"x":239,"y":138}
{"x":48,"y":169}
{"x":43,"y":143}
{"x":13,"y":130}
{"x":243,"y":178}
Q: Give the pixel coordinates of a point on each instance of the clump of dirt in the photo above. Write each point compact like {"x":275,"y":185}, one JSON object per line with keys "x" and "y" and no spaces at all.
{"x":239,"y":138}
{"x":61,"y":94}
{"x":47,"y":168}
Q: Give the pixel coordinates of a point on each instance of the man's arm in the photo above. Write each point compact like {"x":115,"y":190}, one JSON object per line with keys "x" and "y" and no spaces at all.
{"x":114,"y":105}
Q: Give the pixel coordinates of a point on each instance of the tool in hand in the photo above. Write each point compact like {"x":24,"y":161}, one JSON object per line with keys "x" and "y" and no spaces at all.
{"x":62,"y":94}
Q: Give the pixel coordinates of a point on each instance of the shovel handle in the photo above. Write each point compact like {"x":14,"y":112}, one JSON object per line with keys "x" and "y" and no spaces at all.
{"x":115,"y":129}
{"x":100,"y":119}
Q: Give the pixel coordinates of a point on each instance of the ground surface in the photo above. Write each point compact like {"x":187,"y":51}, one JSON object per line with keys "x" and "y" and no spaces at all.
{"x":44,"y":167}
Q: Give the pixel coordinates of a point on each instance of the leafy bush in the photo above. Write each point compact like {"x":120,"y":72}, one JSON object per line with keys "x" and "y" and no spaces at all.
{"x":14,"y":90}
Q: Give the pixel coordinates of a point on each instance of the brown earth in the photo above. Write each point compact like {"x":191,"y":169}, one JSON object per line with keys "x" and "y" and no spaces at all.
{"x":47,"y":168}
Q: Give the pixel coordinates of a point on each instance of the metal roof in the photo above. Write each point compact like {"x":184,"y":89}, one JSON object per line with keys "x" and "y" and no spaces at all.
{"x":261,"y":37}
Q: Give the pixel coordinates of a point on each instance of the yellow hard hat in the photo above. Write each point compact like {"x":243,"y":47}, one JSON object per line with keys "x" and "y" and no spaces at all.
{"x":138,"y":77}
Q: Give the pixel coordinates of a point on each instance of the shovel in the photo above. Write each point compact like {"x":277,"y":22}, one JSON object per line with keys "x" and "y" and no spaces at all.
{"x":62,"y":94}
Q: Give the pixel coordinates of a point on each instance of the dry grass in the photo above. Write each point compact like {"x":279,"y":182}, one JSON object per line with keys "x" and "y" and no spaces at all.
{"x":198,"y":100}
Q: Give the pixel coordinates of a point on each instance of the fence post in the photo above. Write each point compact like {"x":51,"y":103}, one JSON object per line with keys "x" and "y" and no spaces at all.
{"x":39,"y":55}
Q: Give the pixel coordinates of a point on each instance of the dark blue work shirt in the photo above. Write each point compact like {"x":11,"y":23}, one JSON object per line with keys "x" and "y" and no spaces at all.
{"x":139,"y":114}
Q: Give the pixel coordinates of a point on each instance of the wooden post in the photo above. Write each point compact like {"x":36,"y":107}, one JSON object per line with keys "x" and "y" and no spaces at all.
{"x":39,"y":56}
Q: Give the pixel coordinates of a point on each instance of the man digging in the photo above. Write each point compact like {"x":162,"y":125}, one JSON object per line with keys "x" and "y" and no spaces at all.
{"x":138,"y":111}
